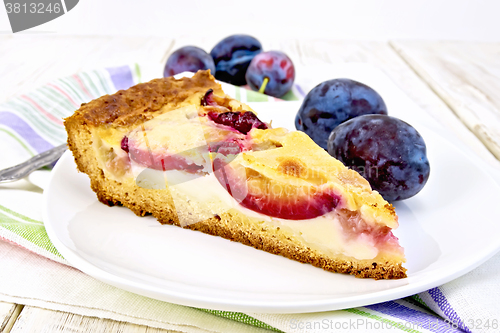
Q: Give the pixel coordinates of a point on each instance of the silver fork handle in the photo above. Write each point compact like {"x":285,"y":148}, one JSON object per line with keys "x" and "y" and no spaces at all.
{"x":22,"y":170}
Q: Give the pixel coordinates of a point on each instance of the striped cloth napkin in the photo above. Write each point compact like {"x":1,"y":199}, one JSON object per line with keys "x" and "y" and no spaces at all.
{"x":31,"y":123}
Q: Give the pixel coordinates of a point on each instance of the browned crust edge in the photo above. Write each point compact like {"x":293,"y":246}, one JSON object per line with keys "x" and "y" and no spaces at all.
{"x":139,"y":103}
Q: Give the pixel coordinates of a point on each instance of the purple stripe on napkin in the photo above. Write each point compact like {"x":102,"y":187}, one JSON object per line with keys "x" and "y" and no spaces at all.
{"x":419,"y":320}
{"x":443,"y":304}
{"x":121,"y":77}
{"x":300,"y":91}
{"x":25,"y":131}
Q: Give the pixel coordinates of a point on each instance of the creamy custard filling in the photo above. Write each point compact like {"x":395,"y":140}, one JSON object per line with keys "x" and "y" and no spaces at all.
{"x":111,"y":158}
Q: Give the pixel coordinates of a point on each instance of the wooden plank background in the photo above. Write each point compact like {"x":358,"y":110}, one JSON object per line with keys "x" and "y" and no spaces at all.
{"x":466,"y":76}
{"x":37,"y":320}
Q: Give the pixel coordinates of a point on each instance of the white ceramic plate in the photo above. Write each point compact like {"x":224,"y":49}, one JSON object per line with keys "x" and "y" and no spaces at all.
{"x":447,"y":230}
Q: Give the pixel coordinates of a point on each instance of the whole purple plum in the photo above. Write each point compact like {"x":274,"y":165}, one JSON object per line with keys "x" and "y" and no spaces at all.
{"x":232,"y":55}
{"x":277,"y":67}
{"x":387,"y":151}
{"x":188,"y":59}
{"x":332,"y":102}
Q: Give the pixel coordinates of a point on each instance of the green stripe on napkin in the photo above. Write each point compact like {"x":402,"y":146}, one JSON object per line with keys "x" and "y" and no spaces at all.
{"x":28,"y":228}
{"x":242,"y":318}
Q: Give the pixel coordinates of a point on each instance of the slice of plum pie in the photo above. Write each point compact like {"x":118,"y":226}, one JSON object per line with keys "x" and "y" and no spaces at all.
{"x":189,"y":155}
